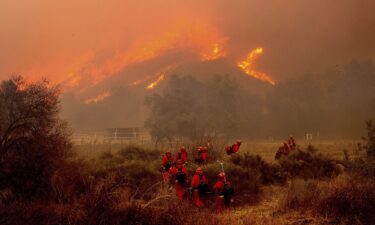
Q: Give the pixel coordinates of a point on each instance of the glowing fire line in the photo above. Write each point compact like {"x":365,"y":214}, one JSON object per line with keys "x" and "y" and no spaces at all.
{"x":247,"y":65}
{"x":216,"y":53}
{"x":137,"y":82}
{"x":155,"y":83}
{"x":98,"y":98}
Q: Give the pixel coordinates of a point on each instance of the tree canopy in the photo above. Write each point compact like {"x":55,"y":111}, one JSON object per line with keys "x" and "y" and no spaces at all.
{"x":33,"y":140}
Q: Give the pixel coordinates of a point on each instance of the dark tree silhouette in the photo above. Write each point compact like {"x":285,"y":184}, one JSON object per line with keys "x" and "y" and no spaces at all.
{"x":33,"y":140}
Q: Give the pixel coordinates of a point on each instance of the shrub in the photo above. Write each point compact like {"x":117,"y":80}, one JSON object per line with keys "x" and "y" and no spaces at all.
{"x":370,"y":147}
{"x":269,"y":173}
{"x":309,"y":164}
{"x":34,"y":142}
{"x":303,"y":194}
{"x":133,"y":152}
{"x":352,"y":199}
{"x":361,"y":167}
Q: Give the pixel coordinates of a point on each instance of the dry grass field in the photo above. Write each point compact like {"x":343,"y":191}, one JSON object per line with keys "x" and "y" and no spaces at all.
{"x":265,"y":149}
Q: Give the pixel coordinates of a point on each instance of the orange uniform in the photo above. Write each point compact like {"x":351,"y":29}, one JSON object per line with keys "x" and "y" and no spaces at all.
{"x":223,"y":197}
{"x":234,"y":148}
{"x":292,"y":143}
{"x":179,"y":182}
{"x":182,"y":155}
{"x":196,"y":180}
{"x":166,"y":163}
{"x":203,"y":152}
{"x":219,"y":188}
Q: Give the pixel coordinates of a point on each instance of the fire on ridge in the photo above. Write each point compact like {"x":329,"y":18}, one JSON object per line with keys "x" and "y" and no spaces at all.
{"x":247,"y":65}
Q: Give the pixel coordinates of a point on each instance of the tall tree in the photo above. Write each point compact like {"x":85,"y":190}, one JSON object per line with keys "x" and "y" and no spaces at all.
{"x":33,"y":140}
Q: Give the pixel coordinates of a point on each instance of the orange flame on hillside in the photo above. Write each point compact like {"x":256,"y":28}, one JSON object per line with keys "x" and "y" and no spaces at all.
{"x":98,"y":98}
{"x":140,"y":81}
{"x":203,"y":40}
{"x":247,"y":65}
{"x":155,"y":83}
{"x":215,"y":53}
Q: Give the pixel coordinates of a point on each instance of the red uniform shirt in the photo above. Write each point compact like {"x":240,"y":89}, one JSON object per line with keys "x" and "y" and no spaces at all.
{"x":219,"y":185}
{"x":174,"y":171}
{"x":196,"y":179}
{"x":182,"y":156}
{"x":235,"y":148}
{"x":166,"y":160}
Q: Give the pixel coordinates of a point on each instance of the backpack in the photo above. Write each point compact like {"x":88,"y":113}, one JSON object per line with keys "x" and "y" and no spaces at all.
{"x":228,"y":149}
{"x":202,"y":187}
{"x":228,"y":192}
{"x":167,"y":166}
{"x":180,"y":177}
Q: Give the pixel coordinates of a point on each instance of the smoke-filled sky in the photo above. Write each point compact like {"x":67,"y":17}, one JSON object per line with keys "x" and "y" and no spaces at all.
{"x":74,"y":39}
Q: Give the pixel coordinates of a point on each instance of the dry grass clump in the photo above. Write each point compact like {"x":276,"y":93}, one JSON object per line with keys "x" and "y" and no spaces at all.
{"x":269,"y":173}
{"x":347,"y":199}
{"x":310,"y":164}
{"x":350,"y":198}
{"x":303,"y":194}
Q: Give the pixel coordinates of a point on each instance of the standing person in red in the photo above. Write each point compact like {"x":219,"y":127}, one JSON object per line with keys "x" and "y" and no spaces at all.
{"x":166,"y":164}
{"x":198,"y":184}
{"x":236,"y":146}
{"x":286,"y":148}
{"x":180,"y":173}
{"x":197,"y":156}
{"x":292,"y":143}
{"x":224,"y":193}
{"x":182,"y":155}
{"x":204,"y":155}
{"x":283,"y":150}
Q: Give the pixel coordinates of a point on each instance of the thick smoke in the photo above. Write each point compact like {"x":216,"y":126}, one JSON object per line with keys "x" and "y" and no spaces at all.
{"x":92,"y":47}
{"x":59,"y":38}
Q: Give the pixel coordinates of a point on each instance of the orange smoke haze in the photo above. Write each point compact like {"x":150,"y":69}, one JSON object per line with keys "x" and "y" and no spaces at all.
{"x":82,"y":43}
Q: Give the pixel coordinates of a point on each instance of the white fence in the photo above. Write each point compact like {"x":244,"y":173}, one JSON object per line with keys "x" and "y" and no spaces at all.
{"x":112,"y":135}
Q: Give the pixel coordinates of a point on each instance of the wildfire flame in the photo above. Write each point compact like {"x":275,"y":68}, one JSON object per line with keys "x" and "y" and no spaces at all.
{"x":215,"y":53}
{"x":155,"y":83}
{"x":98,"y":98}
{"x":247,"y":65}
{"x":138,"y":82}
{"x":203,"y":40}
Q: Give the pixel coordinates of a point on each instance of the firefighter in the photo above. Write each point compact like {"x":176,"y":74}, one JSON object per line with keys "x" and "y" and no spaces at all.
{"x":234,"y":148}
{"x":198,"y":187}
{"x":292,"y":143}
{"x":286,"y":148}
{"x":199,"y":151}
{"x":204,"y":155}
{"x":224,"y":192}
{"x":180,"y":175}
{"x":182,"y":155}
{"x":166,"y":164}
{"x":283,"y":150}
